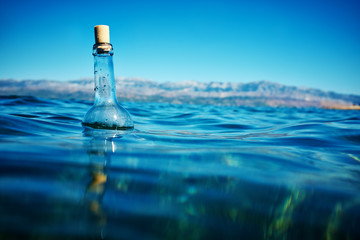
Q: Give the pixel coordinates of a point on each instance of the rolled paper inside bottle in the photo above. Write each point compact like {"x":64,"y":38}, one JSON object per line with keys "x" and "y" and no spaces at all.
{"x":102,"y":34}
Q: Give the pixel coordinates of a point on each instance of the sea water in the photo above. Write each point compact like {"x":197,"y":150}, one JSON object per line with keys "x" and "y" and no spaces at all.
{"x":183,"y":172}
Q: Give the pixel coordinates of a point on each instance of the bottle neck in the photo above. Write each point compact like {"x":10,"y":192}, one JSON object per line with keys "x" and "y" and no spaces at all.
{"x":104,"y":74}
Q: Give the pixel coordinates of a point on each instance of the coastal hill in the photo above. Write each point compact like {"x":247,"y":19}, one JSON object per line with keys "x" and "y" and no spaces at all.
{"x":261,"y":93}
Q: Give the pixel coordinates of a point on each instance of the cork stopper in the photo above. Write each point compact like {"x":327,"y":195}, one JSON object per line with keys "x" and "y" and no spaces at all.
{"x":102,"y":34}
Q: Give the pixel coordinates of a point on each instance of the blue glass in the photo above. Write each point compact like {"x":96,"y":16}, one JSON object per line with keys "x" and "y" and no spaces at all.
{"x":106,"y":113}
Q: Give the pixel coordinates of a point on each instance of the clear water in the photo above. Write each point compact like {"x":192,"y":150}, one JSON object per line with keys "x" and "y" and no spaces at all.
{"x":184,"y":172}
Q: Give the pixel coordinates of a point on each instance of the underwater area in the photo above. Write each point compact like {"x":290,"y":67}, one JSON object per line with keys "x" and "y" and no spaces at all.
{"x":183,"y":172}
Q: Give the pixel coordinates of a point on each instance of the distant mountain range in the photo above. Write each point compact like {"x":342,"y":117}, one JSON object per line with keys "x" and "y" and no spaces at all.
{"x":261,"y":93}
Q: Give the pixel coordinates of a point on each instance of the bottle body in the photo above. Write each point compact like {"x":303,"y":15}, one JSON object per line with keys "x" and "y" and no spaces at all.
{"x":106,"y":113}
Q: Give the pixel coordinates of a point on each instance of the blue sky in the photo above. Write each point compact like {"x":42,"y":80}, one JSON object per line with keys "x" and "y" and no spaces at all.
{"x":303,"y":43}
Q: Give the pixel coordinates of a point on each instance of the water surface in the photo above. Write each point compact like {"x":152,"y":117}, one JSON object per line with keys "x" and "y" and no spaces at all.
{"x":184,"y":172}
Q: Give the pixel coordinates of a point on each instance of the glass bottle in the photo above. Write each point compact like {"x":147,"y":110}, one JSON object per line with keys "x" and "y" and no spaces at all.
{"x":106,"y":113}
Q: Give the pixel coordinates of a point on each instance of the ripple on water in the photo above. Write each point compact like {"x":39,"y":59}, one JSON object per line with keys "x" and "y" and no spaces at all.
{"x":184,"y":172}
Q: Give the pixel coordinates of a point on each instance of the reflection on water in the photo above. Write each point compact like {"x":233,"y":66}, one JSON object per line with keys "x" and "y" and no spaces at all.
{"x":100,"y":149}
